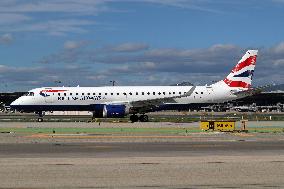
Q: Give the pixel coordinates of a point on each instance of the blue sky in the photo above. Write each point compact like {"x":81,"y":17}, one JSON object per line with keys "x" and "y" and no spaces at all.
{"x":142,"y":42}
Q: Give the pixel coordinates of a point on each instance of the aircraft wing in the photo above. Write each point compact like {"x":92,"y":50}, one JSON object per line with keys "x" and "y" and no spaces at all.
{"x":159,"y":101}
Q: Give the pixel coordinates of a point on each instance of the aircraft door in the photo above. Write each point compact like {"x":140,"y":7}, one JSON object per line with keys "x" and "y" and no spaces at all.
{"x":210,"y":93}
{"x":48,"y":97}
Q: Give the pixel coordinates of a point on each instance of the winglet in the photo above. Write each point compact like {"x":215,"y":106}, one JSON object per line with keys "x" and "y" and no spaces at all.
{"x":188,"y":93}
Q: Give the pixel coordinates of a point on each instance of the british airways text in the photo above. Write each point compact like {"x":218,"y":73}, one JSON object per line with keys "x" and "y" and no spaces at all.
{"x":80,"y":98}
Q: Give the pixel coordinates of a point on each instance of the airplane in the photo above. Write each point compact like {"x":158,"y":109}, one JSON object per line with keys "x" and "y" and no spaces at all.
{"x":120,"y":101}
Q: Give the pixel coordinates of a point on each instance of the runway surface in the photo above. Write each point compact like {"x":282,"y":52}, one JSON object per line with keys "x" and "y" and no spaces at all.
{"x":219,"y":164}
{"x":87,"y":150}
{"x":34,"y":159}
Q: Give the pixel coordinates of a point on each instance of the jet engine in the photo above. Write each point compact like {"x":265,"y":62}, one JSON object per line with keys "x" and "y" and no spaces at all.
{"x":115,"y":111}
{"x":111,"y":111}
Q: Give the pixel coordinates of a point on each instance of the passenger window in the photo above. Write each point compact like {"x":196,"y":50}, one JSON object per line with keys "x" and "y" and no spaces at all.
{"x":89,"y":94}
{"x":159,"y":93}
{"x":148,"y":93}
{"x":64,"y":94}
{"x":100,"y":93}
{"x":142,"y":93}
{"x":58,"y":94}
{"x":136,"y":93}
{"x":124,"y":93}
{"x":105,"y":93}
{"x":153,"y":93}
{"x":164,"y":93}
{"x":130,"y":93}
{"x":82,"y":93}
{"x":77,"y":94}
{"x":70,"y":94}
{"x":201,"y":92}
{"x":174,"y":92}
{"x":196,"y":92}
{"x":170,"y":93}
{"x":111,"y":93}
{"x":179,"y":93}
{"x":94,"y":93}
{"x":117,"y":93}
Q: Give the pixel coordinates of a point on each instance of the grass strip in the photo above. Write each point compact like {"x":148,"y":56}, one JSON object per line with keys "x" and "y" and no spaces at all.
{"x":176,"y":131}
{"x":99,"y":130}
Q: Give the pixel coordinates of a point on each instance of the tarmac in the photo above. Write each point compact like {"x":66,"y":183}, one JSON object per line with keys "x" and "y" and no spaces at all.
{"x":140,"y":160}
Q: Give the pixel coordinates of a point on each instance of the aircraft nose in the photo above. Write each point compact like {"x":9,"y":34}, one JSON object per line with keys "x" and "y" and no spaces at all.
{"x":15,"y":103}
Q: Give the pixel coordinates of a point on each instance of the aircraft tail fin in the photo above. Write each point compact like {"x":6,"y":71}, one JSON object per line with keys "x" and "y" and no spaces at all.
{"x":241,"y":75}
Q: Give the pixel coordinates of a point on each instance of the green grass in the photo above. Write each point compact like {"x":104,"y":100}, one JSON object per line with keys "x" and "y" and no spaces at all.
{"x":267,"y":130}
{"x":153,"y":118}
{"x":154,"y":131}
{"x":101,"y":130}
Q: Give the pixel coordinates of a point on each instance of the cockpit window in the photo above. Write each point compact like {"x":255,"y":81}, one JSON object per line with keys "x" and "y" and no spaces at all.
{"x":29,"y":94}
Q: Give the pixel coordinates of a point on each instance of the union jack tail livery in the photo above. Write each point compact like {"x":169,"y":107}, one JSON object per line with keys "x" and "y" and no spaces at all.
{"x":241,"y":75}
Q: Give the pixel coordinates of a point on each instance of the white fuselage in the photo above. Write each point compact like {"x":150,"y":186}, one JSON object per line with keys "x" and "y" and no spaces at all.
{"x":85,"y":96}
{"x":118,"y":101}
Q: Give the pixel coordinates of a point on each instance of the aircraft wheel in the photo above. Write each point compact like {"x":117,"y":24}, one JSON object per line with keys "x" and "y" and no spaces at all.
{"x":40,"y":119}
{"x":144,"y":118}
{"x":133,"y":118}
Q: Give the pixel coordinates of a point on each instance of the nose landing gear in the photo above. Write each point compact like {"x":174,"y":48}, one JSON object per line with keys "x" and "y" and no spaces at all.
{"x":40,"y":116}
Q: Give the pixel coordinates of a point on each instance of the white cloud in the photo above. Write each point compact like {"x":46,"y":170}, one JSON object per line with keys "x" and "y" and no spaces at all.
{"x":6,"y":38}
{"x":130,"y":47}
{"x":52,"y":27}
{"x":24,"y":78}
{"x":278,"y":48}
{"x":185,"y":4}
{"x":59,"y":17}
{"x":93,"y":7}
{"x":222,"y":47}
{"x":148,"y":67}
{"x":97,"y":77}
{"x":63,"y":6}
{"x":27,"y":16}
{"x":7,"y":19}
{"x":72,"y":45}
{"x":279,"y":62}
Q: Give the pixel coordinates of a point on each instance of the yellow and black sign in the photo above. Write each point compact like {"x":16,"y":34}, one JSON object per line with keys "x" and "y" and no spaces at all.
{"x":218,"y":125}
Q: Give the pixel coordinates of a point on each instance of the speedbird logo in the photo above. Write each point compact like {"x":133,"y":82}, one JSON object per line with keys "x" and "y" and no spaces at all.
{"x":45,"y":93}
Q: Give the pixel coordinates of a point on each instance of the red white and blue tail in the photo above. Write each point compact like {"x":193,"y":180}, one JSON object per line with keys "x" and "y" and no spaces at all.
{"x":241,"y":75}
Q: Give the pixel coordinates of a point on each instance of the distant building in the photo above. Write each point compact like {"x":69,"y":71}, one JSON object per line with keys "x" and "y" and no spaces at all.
{"x":184,"y":83}
{"x":8,"y":98}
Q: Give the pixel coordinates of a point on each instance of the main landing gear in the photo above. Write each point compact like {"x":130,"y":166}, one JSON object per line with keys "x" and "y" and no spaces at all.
{"x":141,"y":118}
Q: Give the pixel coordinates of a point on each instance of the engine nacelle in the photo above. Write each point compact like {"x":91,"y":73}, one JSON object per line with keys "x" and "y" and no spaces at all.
{"x":115,"y":111}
